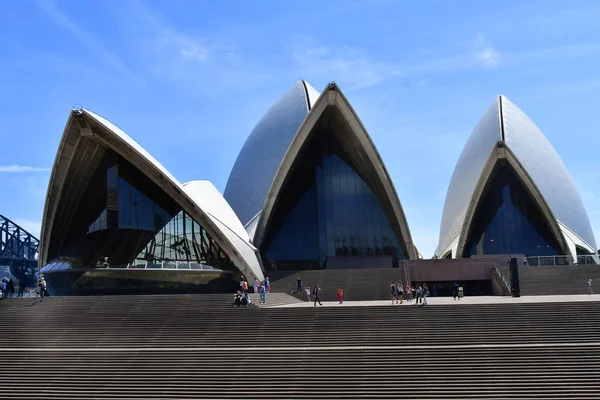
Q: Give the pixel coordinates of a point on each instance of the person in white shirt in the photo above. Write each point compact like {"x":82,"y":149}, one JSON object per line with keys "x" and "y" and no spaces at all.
{"x":307,"y":291}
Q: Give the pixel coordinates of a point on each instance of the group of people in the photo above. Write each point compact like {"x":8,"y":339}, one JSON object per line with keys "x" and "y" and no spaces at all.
{"x":315,"y":293}
{"x":7,"y":286}
{"x":399,"y":292}
{"x":240,"y":298}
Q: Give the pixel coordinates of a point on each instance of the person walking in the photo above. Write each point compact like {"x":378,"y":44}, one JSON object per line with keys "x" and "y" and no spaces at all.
{"x":419,"y":298}
{"x":455,"y":291}
{"x":340,"y":295}
{"x":256,"y":285}
{"x":393,"y":292}
{"x":525,"y":261}
{"x":589,"y":285}
{"x":299,"y":281}
{"x":4,"y":290}
{"x":245,"y":287}
{"x":21,"y":288}
{"x":316,"y":295}
{"x":268,"y":284}
{"x":42,"y":288}
{"x":263,"y":293}
{"x":400,"y":291}
{"x":307,"y":291}
{"x":409,"y":293}
{"x":425,"y":293}
{"x":10,"y":287}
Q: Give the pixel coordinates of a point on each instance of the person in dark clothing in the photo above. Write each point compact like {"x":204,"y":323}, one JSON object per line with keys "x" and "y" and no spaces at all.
{"x":316,"y":295}
{"x":10,"y":287}
{"x":455,"y":291}
{"x":299,"y":280}
{"x":21,"y":288}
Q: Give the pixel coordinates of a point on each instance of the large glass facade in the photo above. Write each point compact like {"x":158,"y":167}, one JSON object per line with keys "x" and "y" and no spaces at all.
{"x":327,"y":210}
{"x":124,"y":220}
{"x":508,"y":221}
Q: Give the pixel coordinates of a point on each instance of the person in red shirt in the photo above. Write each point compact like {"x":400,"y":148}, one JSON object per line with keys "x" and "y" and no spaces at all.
{"x":340,"y":295}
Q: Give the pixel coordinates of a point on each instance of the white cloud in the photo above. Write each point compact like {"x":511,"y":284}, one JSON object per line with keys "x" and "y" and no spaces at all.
{"x":33,"y":227}
{"x":485,"y":52}
{"x":22,"y":168}
{"x":345,"y":64}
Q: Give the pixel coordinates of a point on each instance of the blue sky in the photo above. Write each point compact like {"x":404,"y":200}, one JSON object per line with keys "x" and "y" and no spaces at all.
{"x":188,"y":79}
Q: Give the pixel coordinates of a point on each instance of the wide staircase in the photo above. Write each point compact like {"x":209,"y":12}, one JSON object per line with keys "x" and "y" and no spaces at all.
{"x":556,"y":280}
{"x":358,"y":284}
{"x":198,"y":346}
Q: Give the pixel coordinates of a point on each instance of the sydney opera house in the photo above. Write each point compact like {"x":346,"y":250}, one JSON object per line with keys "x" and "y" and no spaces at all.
{"x":309,"y":190}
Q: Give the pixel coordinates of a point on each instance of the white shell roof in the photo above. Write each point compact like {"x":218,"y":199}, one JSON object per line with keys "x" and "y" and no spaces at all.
{"x":206,"y":196}
{"x":203,"y":195}
{"x":536,"y":155}
{"x":263,"y":151}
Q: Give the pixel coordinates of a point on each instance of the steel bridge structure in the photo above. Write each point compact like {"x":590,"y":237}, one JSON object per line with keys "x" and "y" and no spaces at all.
{"x":18,"y":251}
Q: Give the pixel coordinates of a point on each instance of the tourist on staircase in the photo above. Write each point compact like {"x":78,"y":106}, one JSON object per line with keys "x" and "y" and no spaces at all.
{"x":307,"y":291}
{"x":245,"y":287}
{"x":299,"y":281}
{"x":340,"y":295}
{"x":316,"y":295}
{"x":42,"y":288}
{"x":455,"y":291}
{"x":409,"y":292}
{"x":393,"y":292}
{"x":589,"y":286}
{"x":263,"y":292}
{"x":425,"y":293}
{"x":268,"y":284}
{"x":419,"y":298}
{"x":256,"y":285}
{"x":400,"y":291}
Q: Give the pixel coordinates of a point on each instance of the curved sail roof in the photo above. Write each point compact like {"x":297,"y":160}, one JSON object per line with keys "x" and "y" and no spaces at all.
{"x":86,"y":138}
{"x":263,"y":151}
{"x":504,"y":124}
{"x":332,"y":110}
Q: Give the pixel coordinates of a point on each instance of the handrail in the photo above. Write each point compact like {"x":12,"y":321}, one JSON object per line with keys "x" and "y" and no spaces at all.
{"x":501,"y":279}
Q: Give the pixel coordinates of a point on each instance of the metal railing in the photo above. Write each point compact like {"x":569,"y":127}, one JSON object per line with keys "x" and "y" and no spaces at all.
{"x":170,"y":265}
{"x":549,"y":261}
{"x":502,"y":281}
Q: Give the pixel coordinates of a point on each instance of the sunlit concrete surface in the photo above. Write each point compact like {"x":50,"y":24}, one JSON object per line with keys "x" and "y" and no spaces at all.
{"x":449,"y":301}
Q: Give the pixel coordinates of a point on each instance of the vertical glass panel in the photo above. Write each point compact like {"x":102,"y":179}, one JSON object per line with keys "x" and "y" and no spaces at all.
{"x":507,"y":221}
{"x":343,"y":217}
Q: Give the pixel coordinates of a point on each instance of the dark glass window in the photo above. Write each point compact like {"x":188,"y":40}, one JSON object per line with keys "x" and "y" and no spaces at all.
{"x":507,"y":221}
{"x":124,"y":218}
{"x":327,"y":210}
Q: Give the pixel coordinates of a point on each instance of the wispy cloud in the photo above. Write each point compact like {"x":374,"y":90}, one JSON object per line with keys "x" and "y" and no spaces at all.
{"x":85,"y":38}
{"x":345,"y":64}
{"x":22,"y":168}
{"x":485,"y":52}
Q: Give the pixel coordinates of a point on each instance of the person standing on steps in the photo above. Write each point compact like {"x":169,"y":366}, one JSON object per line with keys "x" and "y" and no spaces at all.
{"x":256,"y":285}
{"x":340,"y":295}
{"x":400,"y":290}
{"x":409,"y":292}
{"x":316,"y":295}
{"x":589,"y":285}
{"x":425,"y":293}
{"x":268,"y":284}
{"x":307,"y":291}
{"x":245,"y":287}
{"x":42,"y":288}
{"x":263,"y":292}
{"x":455,"y":291}
{"x":299,"y":281}
{"x":393,"y":292}
{"x":21,"y":288}
{"x":525,"y":261}
{"x":419,"y":291}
